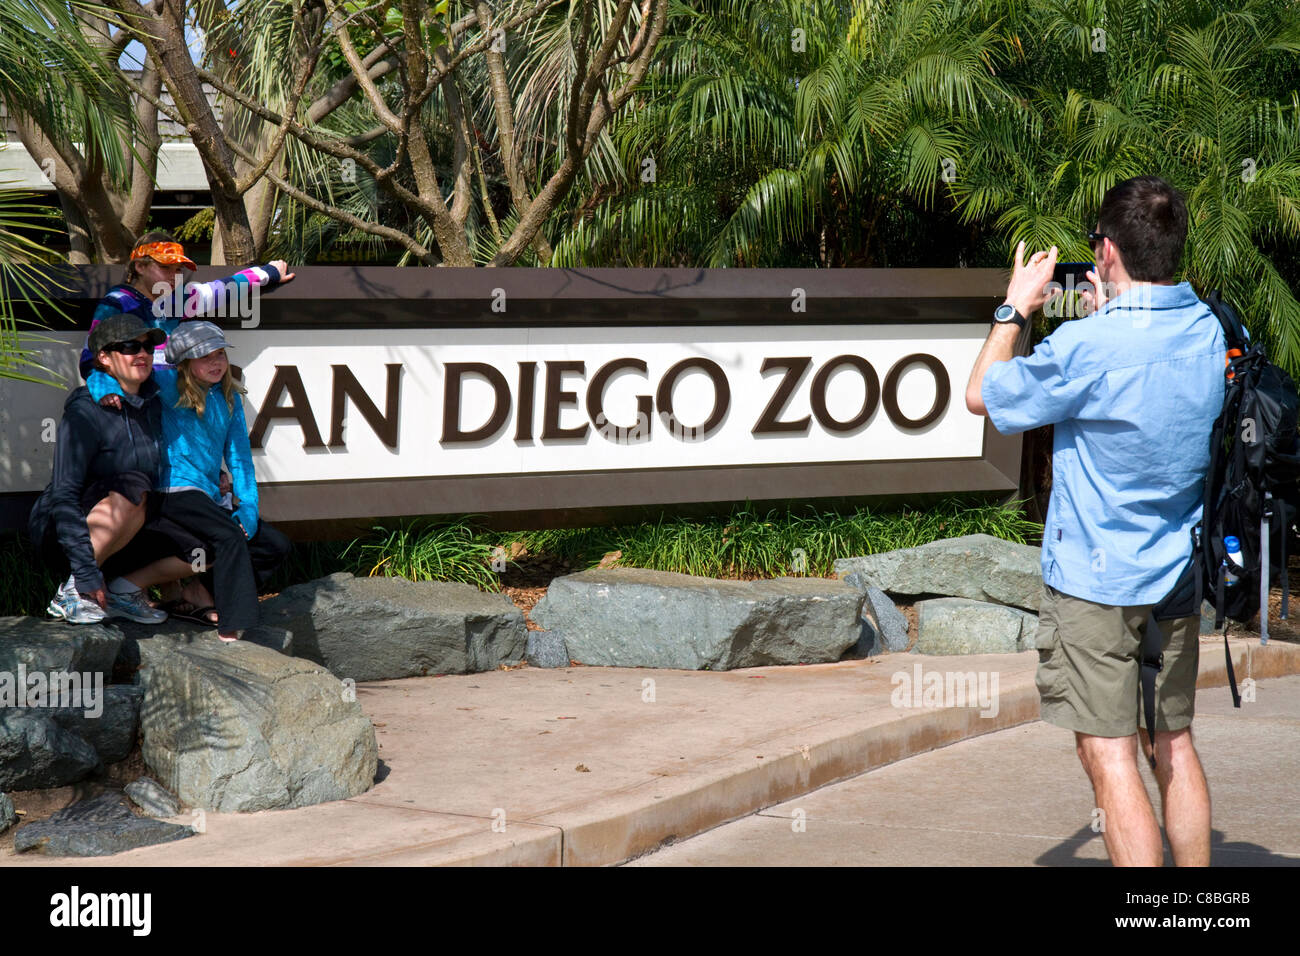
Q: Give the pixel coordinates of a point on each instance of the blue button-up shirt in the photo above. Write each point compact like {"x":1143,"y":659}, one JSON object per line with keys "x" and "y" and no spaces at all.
{"x":1133,"y":391}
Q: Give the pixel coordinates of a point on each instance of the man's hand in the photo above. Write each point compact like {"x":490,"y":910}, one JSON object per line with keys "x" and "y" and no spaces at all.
{"x":1094,"y":300}
{"x":1028,"y":288}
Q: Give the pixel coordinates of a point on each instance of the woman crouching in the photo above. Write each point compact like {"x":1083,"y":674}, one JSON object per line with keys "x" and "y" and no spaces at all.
{"x":202,"y":424}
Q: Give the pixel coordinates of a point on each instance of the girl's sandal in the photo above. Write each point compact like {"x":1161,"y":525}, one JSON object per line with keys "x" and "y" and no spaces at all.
{"x":184,"y":610}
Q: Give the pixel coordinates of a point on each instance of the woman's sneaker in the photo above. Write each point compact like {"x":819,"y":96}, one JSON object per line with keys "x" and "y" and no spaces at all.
{"x":72,"y":607}
{"x":133,"y":606}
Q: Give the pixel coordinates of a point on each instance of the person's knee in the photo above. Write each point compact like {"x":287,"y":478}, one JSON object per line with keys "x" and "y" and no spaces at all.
{"x":1174,"y":746}
{"x":123,"y":509}
{"x":1100,"y":755}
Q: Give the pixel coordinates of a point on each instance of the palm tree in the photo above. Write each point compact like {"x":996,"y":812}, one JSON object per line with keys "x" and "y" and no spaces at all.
{"x":1203,"y":96}
{"x":793,"y":132}
{"x":47,"y":70}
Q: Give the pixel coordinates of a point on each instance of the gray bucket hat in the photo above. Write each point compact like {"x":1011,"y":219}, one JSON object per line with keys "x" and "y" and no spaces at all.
{"x":122,"y":327}
{"x":194,"y":340}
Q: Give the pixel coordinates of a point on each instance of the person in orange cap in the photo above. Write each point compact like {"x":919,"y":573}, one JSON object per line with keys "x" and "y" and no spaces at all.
{"x":153,"y":291}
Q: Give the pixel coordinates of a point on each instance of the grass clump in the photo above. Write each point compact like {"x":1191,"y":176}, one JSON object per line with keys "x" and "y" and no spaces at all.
{"x":750,"y":544}
{"x":424,"y":551}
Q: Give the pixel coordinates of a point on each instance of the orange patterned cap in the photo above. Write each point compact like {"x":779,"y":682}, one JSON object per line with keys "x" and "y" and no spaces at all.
{"x":168,"y":253}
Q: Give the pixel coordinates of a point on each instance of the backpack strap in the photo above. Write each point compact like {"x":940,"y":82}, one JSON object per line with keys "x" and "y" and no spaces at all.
{"x":1153,"y":662}
{"x":1234,"y":332}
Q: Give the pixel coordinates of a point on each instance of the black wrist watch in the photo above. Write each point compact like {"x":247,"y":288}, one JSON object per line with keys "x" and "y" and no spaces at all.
{"x":1005,"y":313}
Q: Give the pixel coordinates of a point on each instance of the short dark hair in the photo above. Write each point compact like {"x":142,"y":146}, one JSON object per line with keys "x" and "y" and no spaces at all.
{"x":133,"y":265}
{"x":1146,"y":219}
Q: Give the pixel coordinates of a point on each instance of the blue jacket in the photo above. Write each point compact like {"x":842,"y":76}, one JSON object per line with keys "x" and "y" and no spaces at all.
{"x":196,"y":444}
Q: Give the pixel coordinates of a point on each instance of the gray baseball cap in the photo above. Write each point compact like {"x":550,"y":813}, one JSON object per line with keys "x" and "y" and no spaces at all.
{"x":122,"y":327}
{"x":194,"y":340}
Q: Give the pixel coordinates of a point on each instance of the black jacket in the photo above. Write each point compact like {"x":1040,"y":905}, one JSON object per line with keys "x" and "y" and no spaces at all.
{"x":95,"y":443}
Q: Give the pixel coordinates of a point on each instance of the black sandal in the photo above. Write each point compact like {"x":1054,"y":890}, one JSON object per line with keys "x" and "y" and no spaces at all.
{"x":184,"y":610}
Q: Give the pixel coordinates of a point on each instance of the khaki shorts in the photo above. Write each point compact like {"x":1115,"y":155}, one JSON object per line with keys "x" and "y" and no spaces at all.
{"x":1089,"y":658}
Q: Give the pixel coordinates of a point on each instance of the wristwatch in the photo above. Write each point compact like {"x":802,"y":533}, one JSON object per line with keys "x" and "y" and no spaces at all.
{"x":1006,"y":312}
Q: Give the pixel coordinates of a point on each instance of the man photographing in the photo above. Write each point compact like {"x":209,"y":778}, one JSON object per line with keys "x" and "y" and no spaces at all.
{"x":1133,"y":390}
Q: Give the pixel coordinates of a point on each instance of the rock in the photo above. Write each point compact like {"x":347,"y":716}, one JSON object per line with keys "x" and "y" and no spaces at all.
{"x":869,"y":641}
{"x":977,"y":566}
{"x":385,"y":628}
{"x":885,"y":617}
{"x":1207,"y":619}
{"x":152,"y":798}
{"x":632,"y":617}
{"x":963,"y":626}
{"x":56,"y":646}
{"x":36,"y":753}
{"x":7,"y":815}
{"x":100,"y":826}
{"x":112,"y":731}
{"x":547,"y":649}
{"x":128,"y":657}
{"x":238,"y":727}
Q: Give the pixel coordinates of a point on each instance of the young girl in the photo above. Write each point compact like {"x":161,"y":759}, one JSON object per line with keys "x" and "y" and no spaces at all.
{"x":202,"y":424}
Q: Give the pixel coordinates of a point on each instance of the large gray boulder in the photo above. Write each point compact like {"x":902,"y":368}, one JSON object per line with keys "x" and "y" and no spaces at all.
{"x":99,"y":826}
{"x":56,"y":646}
{"x":112,"y":731}
{"x":977,"y":566}
{"x":631,"y":617}
{"x":385,"y":628}
{"x":36,"y":753}
{"x":239,"y":727}
{"x":962,"y":626}
{"x":77,"y":719}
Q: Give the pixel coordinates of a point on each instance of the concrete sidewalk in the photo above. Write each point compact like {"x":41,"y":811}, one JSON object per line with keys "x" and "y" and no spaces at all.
{"x":1020,"y":797}
{"x":590,"y":766}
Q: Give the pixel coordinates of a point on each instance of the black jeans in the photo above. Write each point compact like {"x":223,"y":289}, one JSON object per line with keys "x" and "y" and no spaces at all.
{"x":235,"y":566}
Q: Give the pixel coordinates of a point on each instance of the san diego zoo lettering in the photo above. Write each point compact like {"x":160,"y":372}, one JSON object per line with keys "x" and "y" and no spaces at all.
{"x":559,"y":385}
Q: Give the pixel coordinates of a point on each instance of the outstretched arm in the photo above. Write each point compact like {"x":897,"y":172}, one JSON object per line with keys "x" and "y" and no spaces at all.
{"x":1027,"y":291}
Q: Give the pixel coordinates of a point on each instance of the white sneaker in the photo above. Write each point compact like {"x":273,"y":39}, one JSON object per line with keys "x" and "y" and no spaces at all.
{"x":134,"y":607}
{"x":72,"y":607}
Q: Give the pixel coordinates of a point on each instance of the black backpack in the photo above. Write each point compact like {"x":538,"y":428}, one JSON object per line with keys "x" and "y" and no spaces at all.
{"x":1251,"y":486}
{"x":1250,"y":493}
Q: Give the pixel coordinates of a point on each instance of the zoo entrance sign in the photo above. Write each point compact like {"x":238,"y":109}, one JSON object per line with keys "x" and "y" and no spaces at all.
{"x":377,"y":392}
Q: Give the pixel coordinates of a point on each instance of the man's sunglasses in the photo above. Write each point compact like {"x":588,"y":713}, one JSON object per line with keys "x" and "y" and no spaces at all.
{"x":1096,"y":237}
{"x":133,"y":347}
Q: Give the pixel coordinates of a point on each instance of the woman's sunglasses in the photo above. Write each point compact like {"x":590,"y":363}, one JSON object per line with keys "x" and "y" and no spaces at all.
{"x":133,"y":347}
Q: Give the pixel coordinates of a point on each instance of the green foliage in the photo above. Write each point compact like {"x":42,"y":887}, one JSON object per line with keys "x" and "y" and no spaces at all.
{"x":26,"y":585}
{"x":749,"y":544}
{"x":423,"y":551}
{"x":199,"y":227}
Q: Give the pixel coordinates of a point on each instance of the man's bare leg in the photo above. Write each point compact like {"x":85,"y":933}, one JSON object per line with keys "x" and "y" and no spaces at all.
{"x":1184,"y":795}
{"x":1129,"y":827}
